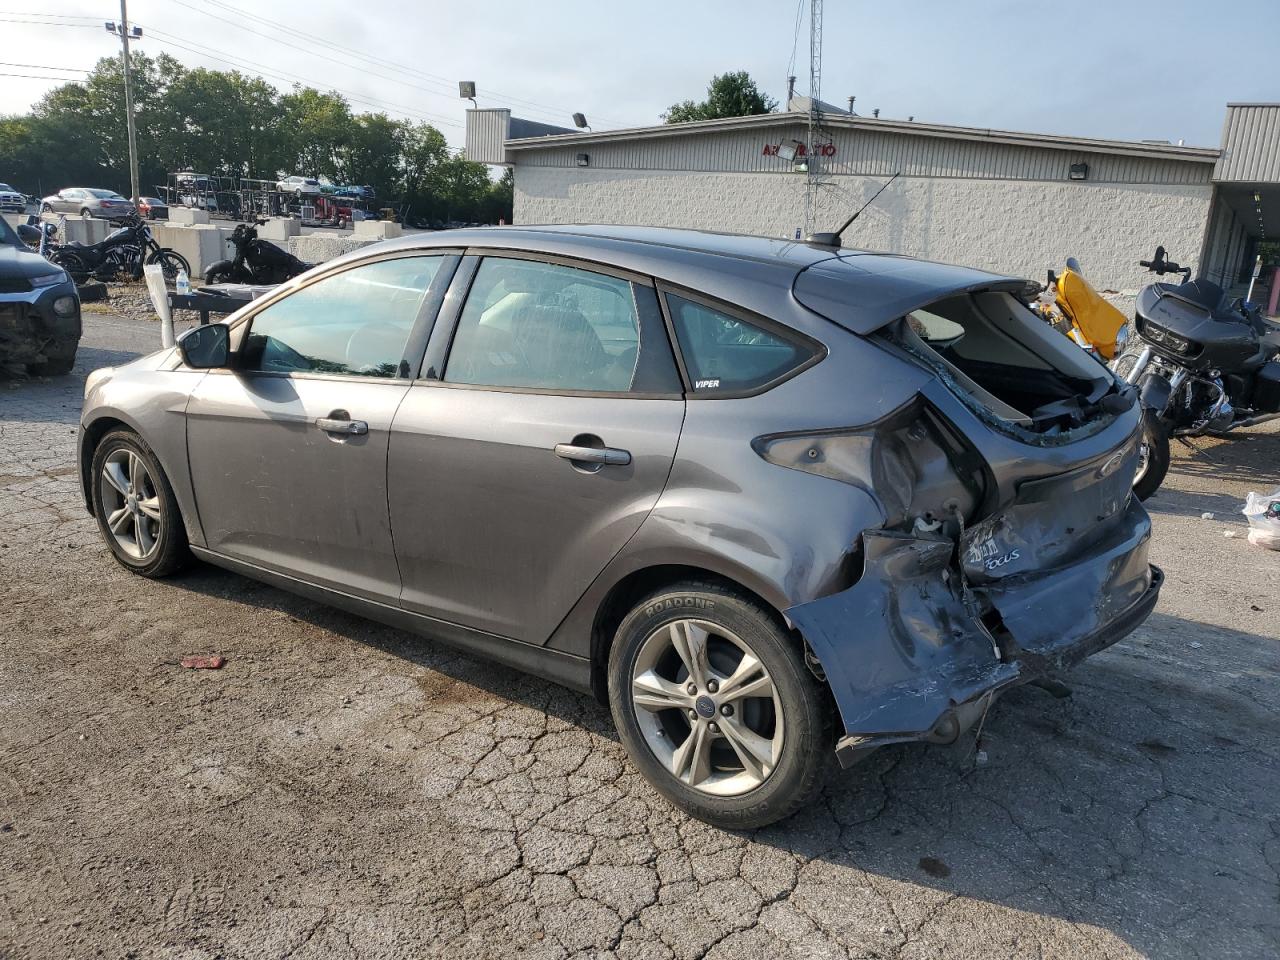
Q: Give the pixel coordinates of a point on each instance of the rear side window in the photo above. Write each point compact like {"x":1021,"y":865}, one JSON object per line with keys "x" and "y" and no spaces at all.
{"x":724,"y":354}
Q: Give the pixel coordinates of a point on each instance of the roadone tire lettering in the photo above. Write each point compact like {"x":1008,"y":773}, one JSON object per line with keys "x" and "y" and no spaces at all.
{"x":671,"y":603}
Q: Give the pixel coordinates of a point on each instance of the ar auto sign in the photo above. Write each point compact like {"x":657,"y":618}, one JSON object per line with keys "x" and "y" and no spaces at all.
{"x":819,"y":150}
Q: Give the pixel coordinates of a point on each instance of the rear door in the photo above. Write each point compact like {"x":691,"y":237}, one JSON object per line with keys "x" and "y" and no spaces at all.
{"x":288,"y":451}
{"x":538,"y":439}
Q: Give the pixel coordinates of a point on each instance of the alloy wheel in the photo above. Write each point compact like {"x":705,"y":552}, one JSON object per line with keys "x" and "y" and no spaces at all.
{"x":131,"y":503}
{"x":707,"y":707}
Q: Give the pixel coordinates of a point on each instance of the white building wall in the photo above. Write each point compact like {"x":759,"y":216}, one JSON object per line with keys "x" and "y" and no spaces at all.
{"x":1020,"y":227}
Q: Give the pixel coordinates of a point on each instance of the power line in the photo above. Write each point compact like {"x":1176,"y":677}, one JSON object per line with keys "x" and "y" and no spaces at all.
{"x":166,"y":39}
{"x":48,"y":23}
{"x":433,"y":78}
{"x":45,"y":66}
{"x":32,"y":76}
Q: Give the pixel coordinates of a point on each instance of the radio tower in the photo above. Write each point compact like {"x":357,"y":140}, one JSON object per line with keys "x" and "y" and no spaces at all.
{"x":815,"y":115}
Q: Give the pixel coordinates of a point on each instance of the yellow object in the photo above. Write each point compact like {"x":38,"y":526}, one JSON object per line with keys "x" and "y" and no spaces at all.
{"x":1097,"y":321}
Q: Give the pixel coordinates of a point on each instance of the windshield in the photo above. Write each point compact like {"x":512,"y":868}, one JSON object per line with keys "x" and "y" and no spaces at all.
{"x":106,"y":195}
{"x":8,"y":189}
{"x":7,"y":234}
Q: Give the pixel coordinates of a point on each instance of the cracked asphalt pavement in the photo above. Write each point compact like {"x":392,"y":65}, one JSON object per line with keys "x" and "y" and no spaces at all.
{"x":340,"y":789}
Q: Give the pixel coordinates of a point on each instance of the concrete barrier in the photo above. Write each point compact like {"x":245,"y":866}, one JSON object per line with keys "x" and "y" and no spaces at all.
{"x":376,"y":229}
{"x":317,"y":247}
{"x":188,"y":215}
{"x":202,"y":244}
{"x":280,"y":228}
{"x":83,"y":231}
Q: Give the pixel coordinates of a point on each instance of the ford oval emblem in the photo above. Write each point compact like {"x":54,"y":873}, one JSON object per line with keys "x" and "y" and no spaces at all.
{"x":1109,"y":467}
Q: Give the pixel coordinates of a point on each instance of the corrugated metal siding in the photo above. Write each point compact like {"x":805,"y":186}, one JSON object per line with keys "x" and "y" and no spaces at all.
{"x":873,"y":153}
{"x":487,"y":133}
{"x":1250,"y":144}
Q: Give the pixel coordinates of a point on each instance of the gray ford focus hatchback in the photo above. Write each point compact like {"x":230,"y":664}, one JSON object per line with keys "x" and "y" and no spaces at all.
{"x":770,"y":501}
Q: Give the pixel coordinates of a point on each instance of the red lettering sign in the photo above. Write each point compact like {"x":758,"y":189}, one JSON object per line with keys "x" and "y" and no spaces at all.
{"x":821,"y":149}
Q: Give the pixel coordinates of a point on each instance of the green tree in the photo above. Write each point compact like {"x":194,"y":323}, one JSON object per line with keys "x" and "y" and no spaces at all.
{"x":228,"y":124}
{"x":219,"y":122}
{"x":315,"y":130}
{"x":728,"y":95}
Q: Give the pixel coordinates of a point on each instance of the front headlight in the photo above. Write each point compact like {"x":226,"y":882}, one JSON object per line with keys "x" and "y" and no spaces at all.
{"x":65,"y":306}
{"x":48,"y":280}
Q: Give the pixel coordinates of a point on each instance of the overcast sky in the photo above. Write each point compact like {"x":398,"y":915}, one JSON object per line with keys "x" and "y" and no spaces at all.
{"x":1084,"y":67}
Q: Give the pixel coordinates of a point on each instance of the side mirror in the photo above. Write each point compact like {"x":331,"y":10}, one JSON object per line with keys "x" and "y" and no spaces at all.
{"x":206,"y":346}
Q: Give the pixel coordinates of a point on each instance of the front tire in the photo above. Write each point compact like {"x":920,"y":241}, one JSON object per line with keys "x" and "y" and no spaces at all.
{"x":715,"y":706}
{"x":170,"y":263}
{"x":223,"y":271}
{"x":135,"y":506}
{"x":1154,"y":463}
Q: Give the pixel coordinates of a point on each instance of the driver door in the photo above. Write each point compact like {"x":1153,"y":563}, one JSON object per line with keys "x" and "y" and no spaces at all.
{"x":288,"y":449}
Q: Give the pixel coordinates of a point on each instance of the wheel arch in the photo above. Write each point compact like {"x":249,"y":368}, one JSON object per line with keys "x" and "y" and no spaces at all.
{"x":621,"y":598}
{"x":93,"y":433}
{"x":110,"y":418}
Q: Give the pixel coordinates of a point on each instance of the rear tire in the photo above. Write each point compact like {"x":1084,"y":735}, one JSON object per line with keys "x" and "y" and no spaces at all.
{"x":149,"y":539}
{"x":1155,"y":464}
{"x":71,"y":263}
{"x":731,"y":758}
{"x":59,"y":359}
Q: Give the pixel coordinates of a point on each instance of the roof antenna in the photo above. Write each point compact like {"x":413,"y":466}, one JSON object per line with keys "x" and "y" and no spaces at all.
{"x":833,"y":239}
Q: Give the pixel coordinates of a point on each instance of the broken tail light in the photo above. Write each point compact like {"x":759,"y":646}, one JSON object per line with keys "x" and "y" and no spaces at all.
{"x":912,"y":462}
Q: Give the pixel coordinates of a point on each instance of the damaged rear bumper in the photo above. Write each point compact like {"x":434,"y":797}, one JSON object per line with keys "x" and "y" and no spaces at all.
{"x":912,"y":654}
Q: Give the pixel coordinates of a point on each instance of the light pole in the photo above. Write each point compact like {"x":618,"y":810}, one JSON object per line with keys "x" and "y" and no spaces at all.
{"x":125,"y":32}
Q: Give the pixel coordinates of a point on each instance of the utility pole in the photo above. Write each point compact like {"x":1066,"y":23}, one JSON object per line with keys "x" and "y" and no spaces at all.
{"x":125,"y":32}
{"x":815,"y":114}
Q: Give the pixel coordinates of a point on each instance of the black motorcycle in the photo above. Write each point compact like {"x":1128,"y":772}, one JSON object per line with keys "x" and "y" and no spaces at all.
{"x":256,"y":261}
{"x":1202,"y":365}
{"x":123,"y":253}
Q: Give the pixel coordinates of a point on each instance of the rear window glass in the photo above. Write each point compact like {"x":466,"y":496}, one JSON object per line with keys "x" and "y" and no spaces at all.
{"x":725,"y":354}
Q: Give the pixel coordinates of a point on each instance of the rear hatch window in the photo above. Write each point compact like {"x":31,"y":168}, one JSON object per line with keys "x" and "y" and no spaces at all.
{"x":1012,"y":369}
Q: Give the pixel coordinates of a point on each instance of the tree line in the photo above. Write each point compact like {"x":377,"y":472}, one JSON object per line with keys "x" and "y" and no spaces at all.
{"x":224,"y":123}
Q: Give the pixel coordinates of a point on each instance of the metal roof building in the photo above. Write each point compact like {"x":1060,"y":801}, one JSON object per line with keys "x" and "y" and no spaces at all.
{"x":1008,"y":201}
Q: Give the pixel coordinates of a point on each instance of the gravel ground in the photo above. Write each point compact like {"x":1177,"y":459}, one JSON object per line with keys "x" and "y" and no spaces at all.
{"x":340,"y":789}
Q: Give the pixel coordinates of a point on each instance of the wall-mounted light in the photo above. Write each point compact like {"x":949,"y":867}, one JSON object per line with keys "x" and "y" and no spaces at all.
{"x":467,"y":91}
{"x":1078,"y":171}
{"x":580,"y":121}
{"x":583,"y":159}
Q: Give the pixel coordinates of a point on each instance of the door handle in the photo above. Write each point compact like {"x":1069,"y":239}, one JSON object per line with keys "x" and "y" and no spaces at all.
{"x":607,"y":456}
{"x":352,"y":428}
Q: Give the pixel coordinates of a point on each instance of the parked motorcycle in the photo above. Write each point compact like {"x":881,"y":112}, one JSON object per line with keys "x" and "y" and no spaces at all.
{"x":256,"y":261}
{"x":1202,"y":366}
{"x":1070,"y":305}
{"x":123,"y":252}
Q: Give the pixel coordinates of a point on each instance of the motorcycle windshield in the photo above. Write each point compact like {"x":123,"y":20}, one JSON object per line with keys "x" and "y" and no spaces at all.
{"x":1098,"y":320}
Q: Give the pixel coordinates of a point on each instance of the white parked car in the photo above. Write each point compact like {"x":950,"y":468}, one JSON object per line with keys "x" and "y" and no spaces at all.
{"x":299,"y":186}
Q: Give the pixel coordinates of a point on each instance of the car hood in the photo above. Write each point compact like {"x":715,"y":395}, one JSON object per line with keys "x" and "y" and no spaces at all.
{"x":864,"y":291}
{"x":19,"y":263}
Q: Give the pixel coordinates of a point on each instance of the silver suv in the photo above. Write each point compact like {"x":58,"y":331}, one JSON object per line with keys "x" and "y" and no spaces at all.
{"x":766,"y":499}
